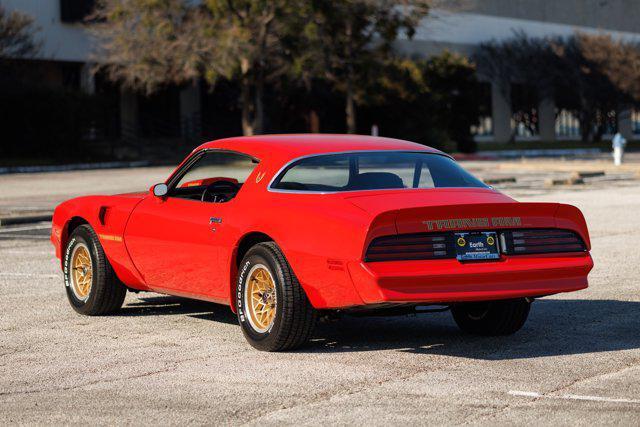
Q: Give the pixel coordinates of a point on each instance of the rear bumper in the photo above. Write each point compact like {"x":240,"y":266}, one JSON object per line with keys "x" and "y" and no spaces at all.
{"x":438,"y":281}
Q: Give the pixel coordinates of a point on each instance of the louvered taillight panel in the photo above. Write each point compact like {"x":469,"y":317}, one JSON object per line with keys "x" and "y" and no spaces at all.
{"x":428,"y":246}
{"x":541,"y":241}
{"x":411,"y":247}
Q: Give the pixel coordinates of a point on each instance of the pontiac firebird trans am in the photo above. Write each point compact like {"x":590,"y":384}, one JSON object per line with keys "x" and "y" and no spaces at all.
{"x":285,"y":228}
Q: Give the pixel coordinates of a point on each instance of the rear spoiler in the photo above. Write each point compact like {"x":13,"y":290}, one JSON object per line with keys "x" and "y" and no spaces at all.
{"x":480,"y":216}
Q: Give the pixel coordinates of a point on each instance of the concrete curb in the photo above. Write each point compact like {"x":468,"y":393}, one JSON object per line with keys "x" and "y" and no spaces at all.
{"x":560,"y":152}
{"x":27,"y":219}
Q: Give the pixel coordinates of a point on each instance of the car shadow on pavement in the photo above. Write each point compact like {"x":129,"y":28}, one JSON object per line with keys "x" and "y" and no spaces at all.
{"x":164,"y":305}
{"x":555,"y":327}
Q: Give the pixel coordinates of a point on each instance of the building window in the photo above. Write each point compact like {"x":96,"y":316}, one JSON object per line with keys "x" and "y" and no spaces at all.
{"x":524,"y":104}
{"x":70,"y":74}
{"x":635,"y":121}
{"x":73,"y":11}
{"x":567,"y":124}
{"x":484,"y":126}
{"x":607,"y":122}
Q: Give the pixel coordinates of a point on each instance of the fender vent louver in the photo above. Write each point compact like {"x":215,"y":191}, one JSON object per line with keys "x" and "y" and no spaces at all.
{"x":102,"y":213}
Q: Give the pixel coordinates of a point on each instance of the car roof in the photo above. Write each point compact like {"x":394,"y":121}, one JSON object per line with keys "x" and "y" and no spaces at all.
{"x":291,"y":146}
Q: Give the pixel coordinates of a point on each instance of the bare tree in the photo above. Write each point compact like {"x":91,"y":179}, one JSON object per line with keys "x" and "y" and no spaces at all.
{"x":16,"y":35}
{"x":591,"y":74}
{"x":147,"y":44}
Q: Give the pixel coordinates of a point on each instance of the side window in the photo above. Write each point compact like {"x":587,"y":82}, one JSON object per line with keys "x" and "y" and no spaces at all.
{"x":323,"y":173}
{"x":216,"y":177}
{"x":392,"y":166}
{"x":426,"y":180}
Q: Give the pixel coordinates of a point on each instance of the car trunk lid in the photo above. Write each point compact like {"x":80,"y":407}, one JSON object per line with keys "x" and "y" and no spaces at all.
{"x":445,"y":209}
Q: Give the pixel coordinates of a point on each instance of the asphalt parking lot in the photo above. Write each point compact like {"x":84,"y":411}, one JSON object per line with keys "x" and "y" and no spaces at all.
{"x":164,"y":360}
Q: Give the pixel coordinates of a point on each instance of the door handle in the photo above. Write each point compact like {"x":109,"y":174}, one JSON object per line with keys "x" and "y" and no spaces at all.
{"x":214,"y":220}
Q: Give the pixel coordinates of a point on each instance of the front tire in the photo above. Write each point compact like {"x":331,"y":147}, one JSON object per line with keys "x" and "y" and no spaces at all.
{"x":492,"y":317}
{"x":92,"y":287}
{"x":273,"y":309}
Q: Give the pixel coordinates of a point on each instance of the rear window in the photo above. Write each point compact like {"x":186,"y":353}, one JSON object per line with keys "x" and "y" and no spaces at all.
{"x":374,"y":171}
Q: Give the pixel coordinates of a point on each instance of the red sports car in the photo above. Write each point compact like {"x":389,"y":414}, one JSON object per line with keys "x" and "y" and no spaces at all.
{"x":283,"y":228}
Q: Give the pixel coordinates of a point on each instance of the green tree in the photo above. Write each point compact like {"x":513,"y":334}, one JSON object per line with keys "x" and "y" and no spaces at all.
{"x":433,"y":101}
{"x":349,"y":42}
{"x":150,"y":43}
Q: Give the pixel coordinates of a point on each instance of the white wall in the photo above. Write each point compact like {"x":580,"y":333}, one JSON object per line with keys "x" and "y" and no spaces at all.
{"x":472,"y":29}
{"x":61,"y":42}
{"x":66,"y":42}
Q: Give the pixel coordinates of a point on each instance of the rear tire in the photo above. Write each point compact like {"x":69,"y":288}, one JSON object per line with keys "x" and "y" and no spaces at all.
{"x":92,"y":286}
{"x":492,"y":317}
{"x":273,"y":309}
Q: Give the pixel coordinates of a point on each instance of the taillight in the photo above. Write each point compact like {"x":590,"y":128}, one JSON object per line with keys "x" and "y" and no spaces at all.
{"x":411,"y":247}
{"x":425,"y":246}
{"x":541,"y":241}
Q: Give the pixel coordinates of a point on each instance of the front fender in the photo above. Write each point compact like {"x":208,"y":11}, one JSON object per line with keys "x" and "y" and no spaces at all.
{"x":108,"y":216}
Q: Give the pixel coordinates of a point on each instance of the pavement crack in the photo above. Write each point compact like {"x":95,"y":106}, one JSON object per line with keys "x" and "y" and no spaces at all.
{"x":348,"y":391}
{"x":100,"y":381}
{"x":633,"y":364}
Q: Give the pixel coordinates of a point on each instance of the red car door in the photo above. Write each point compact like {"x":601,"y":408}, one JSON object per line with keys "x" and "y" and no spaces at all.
{"x":176,"y":241}
{"x":173,"y":246}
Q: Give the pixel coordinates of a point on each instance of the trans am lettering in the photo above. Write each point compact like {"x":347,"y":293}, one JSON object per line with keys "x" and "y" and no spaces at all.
{"x":460,"y":223}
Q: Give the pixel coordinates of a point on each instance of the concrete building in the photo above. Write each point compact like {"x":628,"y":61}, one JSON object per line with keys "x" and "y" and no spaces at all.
{"x":65,"y":58}
{"x":475,"y":22}
{"x":67,"y":47}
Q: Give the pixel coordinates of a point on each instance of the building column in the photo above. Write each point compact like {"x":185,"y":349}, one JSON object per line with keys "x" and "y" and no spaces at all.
{"x":128,"y":113}
{"x":625,"y":123}
{"x":87,"y":79}
{"x":190,"y":108}
{"x":501,"y":115}
{"x":547,"y":120}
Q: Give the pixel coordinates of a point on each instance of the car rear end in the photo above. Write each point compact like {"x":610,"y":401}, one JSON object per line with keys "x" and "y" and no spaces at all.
{"x":463,"y":249}
{"x":437,"y":234}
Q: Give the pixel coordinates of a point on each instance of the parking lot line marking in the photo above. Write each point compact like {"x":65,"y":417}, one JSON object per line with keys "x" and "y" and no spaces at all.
{"x":17,"y":252}
{"x":23,"y":236}
{"x":524,"y":393}
{"x":33,"y":227}
{"x":537,"y":395}
{"x":43,"y":276}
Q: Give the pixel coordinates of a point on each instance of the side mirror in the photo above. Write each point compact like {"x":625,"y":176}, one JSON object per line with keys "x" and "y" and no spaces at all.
{"x":160,"y":190}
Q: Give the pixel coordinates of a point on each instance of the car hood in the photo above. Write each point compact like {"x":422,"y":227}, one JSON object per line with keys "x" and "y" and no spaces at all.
{"x":134,"y":195}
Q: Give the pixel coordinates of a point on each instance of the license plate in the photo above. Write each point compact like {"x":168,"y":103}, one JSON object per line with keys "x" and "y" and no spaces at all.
{"x":477,"y":246}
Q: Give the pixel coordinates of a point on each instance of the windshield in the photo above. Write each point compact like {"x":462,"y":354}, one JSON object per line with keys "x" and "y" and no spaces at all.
{"x":374,"y":171}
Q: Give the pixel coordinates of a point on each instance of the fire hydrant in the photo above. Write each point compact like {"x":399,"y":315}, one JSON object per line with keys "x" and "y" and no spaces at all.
{"x":618,"y":143}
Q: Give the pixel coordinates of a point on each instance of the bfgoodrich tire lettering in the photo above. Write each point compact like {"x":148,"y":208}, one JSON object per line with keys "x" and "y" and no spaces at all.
{"x":294,"y":318}
{"x":492,"y":317}
{"x":106,"y":293}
